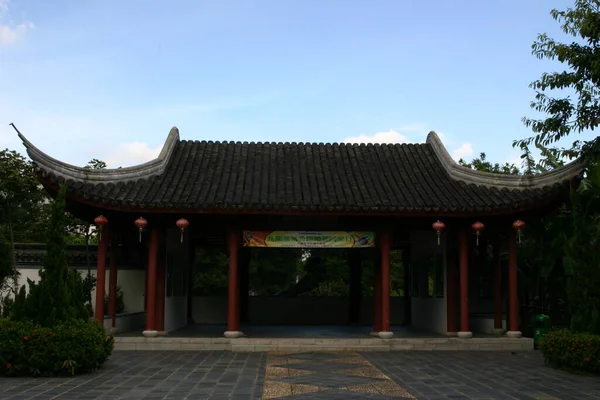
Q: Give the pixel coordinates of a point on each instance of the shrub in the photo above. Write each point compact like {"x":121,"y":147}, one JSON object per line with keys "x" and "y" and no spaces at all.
{"x":58,"y":296}
{"x":575,"y":352}
{"x":119,"y":302}
{"x":67,"y":348}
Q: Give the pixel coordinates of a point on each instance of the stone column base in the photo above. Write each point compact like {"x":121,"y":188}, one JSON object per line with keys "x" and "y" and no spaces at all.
{"x":513,"y":334}
{"x":497,"y":331}
{"x":465,"y":334}
{"x":374,"y":333}
{"x":451,"y":334}
{"x":385,"y":335}
{"x":150,"y":333}
{"x":162,"y":333}
{"x":233,"y":334}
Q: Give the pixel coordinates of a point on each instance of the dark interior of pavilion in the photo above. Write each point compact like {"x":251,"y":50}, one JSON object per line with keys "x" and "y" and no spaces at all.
{"x":293,"y":286}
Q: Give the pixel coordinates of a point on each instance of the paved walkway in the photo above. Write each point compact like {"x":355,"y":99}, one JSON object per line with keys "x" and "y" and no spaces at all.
{"x":222,"y":375}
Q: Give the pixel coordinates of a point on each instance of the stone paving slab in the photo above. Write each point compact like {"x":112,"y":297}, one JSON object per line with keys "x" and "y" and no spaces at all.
{"x":283,"y":375}
{"x":482,"y":375}
{"x":153,"y":375}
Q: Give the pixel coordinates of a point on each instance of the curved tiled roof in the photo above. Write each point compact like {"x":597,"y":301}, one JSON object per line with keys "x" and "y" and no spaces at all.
{"x":254,"y":177}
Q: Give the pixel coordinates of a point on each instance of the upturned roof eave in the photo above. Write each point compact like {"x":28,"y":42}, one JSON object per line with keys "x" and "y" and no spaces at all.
{"x":458,"y":172}
{"x":95,"y":176}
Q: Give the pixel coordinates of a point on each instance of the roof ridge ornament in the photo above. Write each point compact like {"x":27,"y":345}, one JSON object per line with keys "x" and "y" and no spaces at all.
{"x":457,"y":172}
{"x":110,"y":175}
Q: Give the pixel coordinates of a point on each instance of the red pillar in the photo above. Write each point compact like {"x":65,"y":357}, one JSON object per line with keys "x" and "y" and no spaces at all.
{"x":463,"y":249}
{"x":513,"y":293}
{"x":385,"y":285}
{"x":452,"y":292}
{"x":101,"y":276}
{"x":151,"y":288}
{"x":377,"y":296}
{"x":161,"y":274}
{"x":112,"y":286}
{"x":497,"y":287}
{"x":233,"y":305}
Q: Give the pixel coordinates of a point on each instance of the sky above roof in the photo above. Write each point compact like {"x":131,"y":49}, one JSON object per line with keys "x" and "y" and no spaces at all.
{"x":108,"y":79}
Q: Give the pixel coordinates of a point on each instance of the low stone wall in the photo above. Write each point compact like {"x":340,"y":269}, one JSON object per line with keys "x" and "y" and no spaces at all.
{"x":483,"y":323}
{"x":293,"y":310}
{"x":127,"y":322}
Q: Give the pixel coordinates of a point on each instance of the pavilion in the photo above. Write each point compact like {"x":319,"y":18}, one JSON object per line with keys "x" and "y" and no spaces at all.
{"x":388,"y":196}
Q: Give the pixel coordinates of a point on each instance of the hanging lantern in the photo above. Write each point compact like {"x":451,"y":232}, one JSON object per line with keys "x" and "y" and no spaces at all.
{"x":519,"y":225}
{"x":141,"y":223}
{"x":182,"y":224}
{"x":477,"y":227}
{"x":438,"y":226}
{"x":100,"y":221}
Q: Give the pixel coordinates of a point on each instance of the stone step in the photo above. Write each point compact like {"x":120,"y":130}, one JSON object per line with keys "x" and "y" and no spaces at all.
{"x":322,"y":345}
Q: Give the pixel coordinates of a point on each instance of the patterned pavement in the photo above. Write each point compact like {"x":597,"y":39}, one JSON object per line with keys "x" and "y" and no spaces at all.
{"x":398,"y":375}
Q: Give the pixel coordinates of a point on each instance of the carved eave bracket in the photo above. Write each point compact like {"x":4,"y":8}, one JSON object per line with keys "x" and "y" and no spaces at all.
{"x":50,"y":165}
{"x":568,"y":172}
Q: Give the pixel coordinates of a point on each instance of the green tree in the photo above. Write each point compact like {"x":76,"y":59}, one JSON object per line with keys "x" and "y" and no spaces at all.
{"x":576,"y":107}
{"x":94,"y":163}
{"x":582,"y":254}
{"x":58,"y":296}
{"x":482,"y":164}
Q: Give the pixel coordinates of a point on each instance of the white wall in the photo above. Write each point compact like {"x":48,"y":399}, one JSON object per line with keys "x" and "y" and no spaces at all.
{"x":427,"y":313}
{"x":132,"y":282}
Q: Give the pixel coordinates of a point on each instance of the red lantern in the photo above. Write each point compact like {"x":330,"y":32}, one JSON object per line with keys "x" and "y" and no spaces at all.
{"x":438,"y":226}
{"x":519,"y":225}
{"x":141,"y":223}
{"x":477,"y":227}
{"x":182,"y":224}
{"x":100,"y":221}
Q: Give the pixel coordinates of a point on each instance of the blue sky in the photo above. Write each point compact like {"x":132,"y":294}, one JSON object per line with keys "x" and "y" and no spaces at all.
{"x":108,"y":79}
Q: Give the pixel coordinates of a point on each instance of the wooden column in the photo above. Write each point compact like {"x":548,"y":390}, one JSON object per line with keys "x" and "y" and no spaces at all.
{"x":101,"y":276}
{"x":112,"y":286}
{"x":513,"y":289}
{"x":233,"y":305}
{"x":151,"y":272}
{"x":355,"y":292}
{"x":161,"y":275}
{"x":497,"y":265}
{"x":377,"y":294}
{"x":451,"y":292}
{"x":463,"y":251}
{"x":385,"y":246}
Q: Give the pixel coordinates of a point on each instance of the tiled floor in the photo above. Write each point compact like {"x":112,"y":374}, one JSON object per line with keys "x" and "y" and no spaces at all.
{"x":222,"y":375}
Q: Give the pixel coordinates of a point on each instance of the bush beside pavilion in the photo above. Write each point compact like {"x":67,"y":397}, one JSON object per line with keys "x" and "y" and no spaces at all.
{"x":49,"y":331}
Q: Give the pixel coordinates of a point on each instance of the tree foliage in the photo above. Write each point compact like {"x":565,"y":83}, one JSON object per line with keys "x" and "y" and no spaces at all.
{"x":582,"y":254}
{"x":21,"y":198}
{"x":58,"y":296}
{"x":569,"y":98}
{"x":482,"y":164}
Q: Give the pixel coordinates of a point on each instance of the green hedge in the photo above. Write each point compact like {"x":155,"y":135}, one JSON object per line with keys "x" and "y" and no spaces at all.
{"x":576,"y":352}
{"x":68,"y":348}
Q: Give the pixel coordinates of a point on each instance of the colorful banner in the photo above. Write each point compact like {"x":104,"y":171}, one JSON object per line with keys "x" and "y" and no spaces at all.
{"x":308,"y":239}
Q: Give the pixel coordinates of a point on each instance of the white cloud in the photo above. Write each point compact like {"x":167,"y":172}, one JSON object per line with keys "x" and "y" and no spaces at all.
{"x":132,"y":153}
{"x":390,"y":136}
{"x":404,"y":134}
{"x":10,"y":34}
{"x":465,"y":150}
{"x":9,"y":31}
